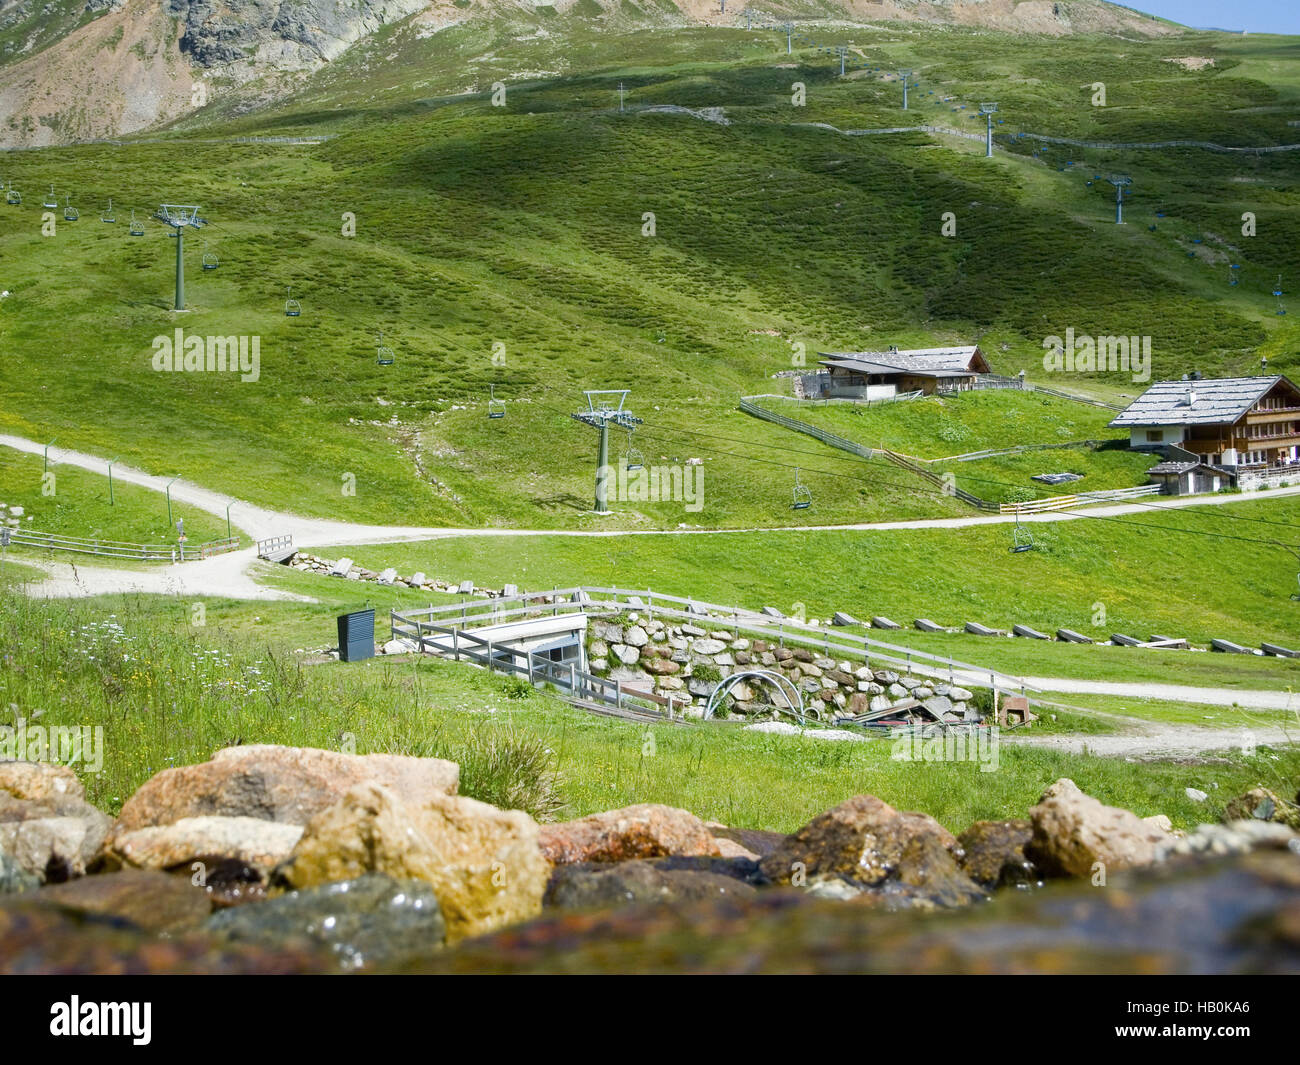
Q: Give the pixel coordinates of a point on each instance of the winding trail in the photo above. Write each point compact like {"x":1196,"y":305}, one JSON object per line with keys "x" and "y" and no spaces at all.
{"x":233,"y":575}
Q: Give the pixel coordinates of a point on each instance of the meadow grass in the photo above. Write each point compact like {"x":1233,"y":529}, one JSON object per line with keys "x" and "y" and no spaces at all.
{"x":168,"y":694}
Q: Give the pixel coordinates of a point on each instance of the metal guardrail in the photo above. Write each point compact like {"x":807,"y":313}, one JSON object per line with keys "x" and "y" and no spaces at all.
{"x":582,"y":599}
{"x":1109,"y":495}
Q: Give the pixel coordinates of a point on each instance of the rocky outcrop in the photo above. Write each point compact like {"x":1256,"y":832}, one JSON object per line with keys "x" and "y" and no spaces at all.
{"x":648,"y":830}
{"x":484,"y":864}
{"x":285,"y":784}
{"x":47,"y":829}
{"x":1074,"y":834}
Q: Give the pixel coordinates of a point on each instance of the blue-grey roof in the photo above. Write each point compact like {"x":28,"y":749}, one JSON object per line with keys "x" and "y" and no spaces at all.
{"x":925,"y":362}
{"x":1211,"y":401}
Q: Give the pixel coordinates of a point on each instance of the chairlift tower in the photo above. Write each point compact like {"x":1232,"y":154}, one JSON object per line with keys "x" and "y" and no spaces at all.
{"x":905,"y":76}
{"x":603,"y":408}
{"x":180,"y":217}
{"x":620,"y":97}
{"x":789,"y":37}
{"x":988,"y":111}
{"x":749,"y":16}
{"x":842,"y":52}
{"x":1121,"y":182}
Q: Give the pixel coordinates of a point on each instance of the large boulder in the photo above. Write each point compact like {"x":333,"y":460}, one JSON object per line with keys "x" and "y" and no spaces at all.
{"x":371,"y":920}
{"x":484,"y":864}
{"x":866,"y":844}
{"x":47,"y":828}
{"x":1073,"y":832}
{"x":286,"y":784}
{"x":647,"y":830}
{"x":254,"y":842}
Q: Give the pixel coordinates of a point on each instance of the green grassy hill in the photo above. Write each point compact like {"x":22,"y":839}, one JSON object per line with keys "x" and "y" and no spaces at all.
{"x":519,"y":230}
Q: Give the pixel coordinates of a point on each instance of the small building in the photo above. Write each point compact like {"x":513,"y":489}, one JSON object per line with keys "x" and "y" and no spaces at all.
{"x":884,"y":374}
{"x":1243,"y":431}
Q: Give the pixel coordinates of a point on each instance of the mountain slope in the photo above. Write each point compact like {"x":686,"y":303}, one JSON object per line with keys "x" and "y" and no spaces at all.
{"x":72,"y":73}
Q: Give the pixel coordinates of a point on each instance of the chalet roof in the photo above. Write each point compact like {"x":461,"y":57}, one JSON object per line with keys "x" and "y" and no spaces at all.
{"x":1216,"y":401}
{"x":921,"y":362}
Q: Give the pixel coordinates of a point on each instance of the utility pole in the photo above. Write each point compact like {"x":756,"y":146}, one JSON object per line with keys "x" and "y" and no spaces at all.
{"x":601,"y":410}
{"x":906,"y":75}
{"x":988,"y":111}
{"x":1121,"y":182}
{"x":179,"y":217}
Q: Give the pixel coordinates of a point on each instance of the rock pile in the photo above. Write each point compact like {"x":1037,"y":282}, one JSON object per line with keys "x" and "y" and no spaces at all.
{"x":290,"y":859}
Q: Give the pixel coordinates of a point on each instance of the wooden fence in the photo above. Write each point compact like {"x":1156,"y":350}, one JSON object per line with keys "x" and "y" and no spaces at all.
{"x":119,"y":549}
{"x":1112,"y":495}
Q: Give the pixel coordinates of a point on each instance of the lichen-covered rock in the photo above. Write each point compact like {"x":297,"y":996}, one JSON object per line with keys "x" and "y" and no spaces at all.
{"x":590,"y":885}
{"x":992,"y":853}
{"x":272,"y":783}
{"x":40,"y":781}
{"x":648,"y":830}
{"x":371,"y":920}
{"x":1260,"y":804}
{"x":484,"y":864}
{"x":864,"y":841}
{"x":1072,"y":832}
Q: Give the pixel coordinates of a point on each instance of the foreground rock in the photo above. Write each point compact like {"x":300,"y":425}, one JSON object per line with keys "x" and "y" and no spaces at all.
{"x":865,"y":844}
{"x":993,"y":853}
{"x":1234,"y":916}
{"x":41,"y":938}
{"x":605,"y":885}
{"x":484,"y":864}
{"x":647,"y":830}
{"x":14,"y":878}
{"x":47,"y":828}
{"x":372,"y":920}
{"x":153,"y":902}
{"x":1072,"y":832}
{"x":286,"y":784}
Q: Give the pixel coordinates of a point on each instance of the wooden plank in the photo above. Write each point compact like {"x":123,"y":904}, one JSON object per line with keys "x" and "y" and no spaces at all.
{"x":977,"y":629}
{"x":879,"y":622}
{"x":1228,"y":647}
{"x":926,"y":625}
{"x":1280,"y":652}
{"x":1070,"y":636}
{"x":1028,"y":633}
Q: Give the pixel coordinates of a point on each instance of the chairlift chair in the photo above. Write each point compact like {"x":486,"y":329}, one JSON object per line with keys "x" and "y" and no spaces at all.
{"x":70,"y":213}
{"x":51,"y":200}
{"x":633,"y":459}
{"x":496,"y":407}
{"x":384,"y":355}
{"x":108,"y":215}
{"x":13,"y":195}
{"x":801,"y":498}
{"x":137,"y":228}
{"x":1022,"y":539}
{"x":292,"y":308}
{"x":210,"y":260}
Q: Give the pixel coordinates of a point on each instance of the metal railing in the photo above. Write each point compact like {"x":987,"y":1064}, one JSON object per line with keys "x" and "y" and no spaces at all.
{"x":458,"y":617}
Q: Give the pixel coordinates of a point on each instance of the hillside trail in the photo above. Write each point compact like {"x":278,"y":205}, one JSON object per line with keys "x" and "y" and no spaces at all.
{"x":261,"y":522}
